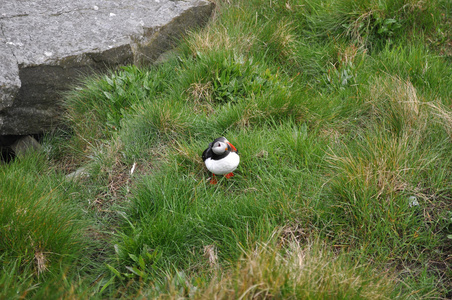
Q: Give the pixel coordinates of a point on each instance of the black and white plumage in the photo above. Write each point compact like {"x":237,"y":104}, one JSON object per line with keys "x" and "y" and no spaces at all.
{"x":221,"y":158}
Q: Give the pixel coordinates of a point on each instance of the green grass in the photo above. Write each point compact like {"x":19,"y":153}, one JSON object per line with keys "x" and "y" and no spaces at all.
{"x":42,"y":226}
{"x":341,"y":111}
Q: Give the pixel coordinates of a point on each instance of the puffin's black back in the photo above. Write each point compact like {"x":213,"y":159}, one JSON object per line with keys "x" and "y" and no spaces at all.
{"x":207,"y":153}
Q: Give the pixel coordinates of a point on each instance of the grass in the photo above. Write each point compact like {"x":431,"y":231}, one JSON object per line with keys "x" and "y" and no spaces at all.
{"x":308,"y":272}
{"x":341,"y":111}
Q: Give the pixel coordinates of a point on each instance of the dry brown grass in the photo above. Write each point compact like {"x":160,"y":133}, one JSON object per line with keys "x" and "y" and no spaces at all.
{"x":299,"y":271}
{"x":211,"y":255}
{"x":348,"y":54}
{"x":387,"y":155}
{"x":442,"y":115}
{"x":41,"y":262}
{"x":214,"y":39}
{"x":392,"y":97}
{"x":380,"y":166}
{"x":201,"y":96}
{"x":285,"y":40}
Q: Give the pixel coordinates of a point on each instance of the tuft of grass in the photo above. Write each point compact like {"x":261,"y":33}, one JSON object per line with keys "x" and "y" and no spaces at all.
{"x":372,"y":186}
{"x":96,"y":108}
{"x":425,"y":70}
{"x":310,"y":271}
{"x":370,"y":24}
{"x":42,"y":231}
{"x":36,"y":223}
{"x":152,"y":124}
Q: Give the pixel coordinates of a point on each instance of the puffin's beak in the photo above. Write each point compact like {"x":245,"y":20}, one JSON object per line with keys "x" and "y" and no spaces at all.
{"x":232,"y":147}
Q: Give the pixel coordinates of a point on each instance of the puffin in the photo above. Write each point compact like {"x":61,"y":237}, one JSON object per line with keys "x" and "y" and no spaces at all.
{"x":221,"y":158}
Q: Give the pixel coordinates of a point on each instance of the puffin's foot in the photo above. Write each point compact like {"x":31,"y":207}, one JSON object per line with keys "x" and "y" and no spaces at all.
{"x":229,"y":175}
{"x":213,"y":180}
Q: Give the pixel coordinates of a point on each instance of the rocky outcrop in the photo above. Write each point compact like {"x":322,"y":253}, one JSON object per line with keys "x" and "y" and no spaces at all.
{"x":46,"y":45}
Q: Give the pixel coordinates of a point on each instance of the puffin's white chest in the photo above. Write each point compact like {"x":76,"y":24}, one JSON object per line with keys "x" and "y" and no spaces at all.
{"x":223,"y":166}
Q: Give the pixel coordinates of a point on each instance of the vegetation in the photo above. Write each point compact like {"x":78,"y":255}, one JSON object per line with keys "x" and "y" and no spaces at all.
{"x":342,"y":114}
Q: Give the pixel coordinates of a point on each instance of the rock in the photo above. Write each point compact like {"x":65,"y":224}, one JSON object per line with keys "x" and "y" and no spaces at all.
{"x":413,"y":201}
{"x":9,"y":78}
{"x":77,"y":174}
{"x":45,"y":46}
{"x":24,"y":145}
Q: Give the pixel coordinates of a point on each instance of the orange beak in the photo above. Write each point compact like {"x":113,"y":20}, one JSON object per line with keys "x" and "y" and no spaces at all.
{"x":232,"y":147}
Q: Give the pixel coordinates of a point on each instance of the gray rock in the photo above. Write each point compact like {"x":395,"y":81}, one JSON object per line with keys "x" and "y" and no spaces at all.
{"x":9,"y":77}
{"x":45,"y":46}
{"x":77,"y":174}
{"x":24,"y":145}
{"x":413,"y":201}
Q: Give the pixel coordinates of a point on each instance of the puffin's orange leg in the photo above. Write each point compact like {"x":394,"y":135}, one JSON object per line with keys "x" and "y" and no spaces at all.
{"x":213,"y":180}
{"x":229,"y":175}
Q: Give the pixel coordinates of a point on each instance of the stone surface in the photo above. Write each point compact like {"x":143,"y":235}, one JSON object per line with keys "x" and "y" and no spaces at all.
{"x":77,"y":174}
{"x":46,"y":45}
{"x":24,"y":145}
{"x":9,"y":77}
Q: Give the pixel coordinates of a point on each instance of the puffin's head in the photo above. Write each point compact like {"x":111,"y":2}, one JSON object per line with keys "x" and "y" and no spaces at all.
{"x":221,"y":145}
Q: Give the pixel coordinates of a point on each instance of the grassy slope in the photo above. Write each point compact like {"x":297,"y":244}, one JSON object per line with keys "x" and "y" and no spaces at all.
{"x":341,"y":111}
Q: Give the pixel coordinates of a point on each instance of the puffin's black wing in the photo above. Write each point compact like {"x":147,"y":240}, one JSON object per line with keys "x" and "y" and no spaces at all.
{"x":207,"y":153}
